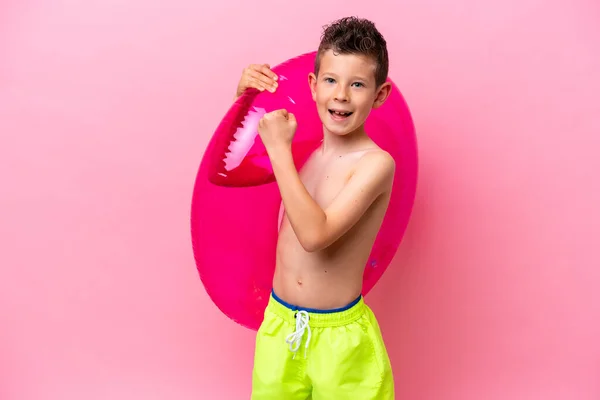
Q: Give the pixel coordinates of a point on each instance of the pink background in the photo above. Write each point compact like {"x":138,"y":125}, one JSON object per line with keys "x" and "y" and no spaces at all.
{"x":106,"y":107}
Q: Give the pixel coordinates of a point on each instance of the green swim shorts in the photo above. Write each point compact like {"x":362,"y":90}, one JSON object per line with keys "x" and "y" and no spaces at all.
{"x":320,"y":354}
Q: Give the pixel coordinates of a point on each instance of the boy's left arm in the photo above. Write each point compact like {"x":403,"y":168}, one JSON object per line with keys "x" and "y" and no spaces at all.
{"x":315,"y":227}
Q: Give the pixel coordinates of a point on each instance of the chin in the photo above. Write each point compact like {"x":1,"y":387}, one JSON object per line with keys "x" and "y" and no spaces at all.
{"x":337,"y":130}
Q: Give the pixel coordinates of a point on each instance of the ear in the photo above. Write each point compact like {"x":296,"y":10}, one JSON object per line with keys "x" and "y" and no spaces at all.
{"x":312,"y":82}
{"x":383,"y":92}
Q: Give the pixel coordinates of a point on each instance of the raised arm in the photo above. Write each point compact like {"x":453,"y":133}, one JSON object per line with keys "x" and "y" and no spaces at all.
{"x":317,"y":228}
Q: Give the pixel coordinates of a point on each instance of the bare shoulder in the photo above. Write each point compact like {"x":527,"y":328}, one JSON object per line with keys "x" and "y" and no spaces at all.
{"x":374,"y":172}
{"x":376,"y":163}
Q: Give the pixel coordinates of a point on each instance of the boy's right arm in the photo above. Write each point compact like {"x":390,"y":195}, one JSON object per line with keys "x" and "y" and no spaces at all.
{"x":257,"y":76}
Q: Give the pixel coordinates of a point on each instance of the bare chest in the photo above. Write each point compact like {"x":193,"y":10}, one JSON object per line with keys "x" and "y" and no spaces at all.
{"x":325,"y":179}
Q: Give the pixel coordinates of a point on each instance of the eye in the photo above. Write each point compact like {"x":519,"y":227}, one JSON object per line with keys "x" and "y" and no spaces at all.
{"x":329,"y":80}
{"x":358,"y":84}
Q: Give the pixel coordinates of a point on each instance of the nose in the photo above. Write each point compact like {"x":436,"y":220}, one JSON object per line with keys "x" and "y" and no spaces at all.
{"x":341,"y":94}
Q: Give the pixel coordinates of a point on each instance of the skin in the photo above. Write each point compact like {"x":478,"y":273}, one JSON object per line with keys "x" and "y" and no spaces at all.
{"x":333,"y":208}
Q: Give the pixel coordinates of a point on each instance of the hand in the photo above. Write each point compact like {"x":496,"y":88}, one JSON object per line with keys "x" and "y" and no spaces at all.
{"x":277,"y":129}
{"x":257,"y":76}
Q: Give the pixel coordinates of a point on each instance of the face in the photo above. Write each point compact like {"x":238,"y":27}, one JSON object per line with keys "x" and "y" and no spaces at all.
{"x":345,"y":91}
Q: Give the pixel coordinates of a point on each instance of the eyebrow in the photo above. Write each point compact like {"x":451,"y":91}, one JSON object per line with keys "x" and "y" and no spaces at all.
{"x":355,"y":77}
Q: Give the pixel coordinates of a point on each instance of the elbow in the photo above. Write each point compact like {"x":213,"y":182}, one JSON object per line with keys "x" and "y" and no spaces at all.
{"x":310,"y":247}
{"x":313,"y":243}
{"x":315,"y":236}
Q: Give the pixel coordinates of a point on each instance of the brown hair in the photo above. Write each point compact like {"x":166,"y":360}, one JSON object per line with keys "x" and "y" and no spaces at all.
{"x":353,"y":35}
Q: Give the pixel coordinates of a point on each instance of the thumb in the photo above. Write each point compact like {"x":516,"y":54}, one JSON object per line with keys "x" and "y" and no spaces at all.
{"x":292,"y":118}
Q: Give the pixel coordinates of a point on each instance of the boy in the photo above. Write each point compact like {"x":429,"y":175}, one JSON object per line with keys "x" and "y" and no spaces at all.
{"x":319,"y":340}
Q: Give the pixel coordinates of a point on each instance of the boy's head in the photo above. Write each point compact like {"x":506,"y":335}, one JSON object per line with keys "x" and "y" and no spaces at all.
{"x":350,"y":74}
{"x":352,"y":35}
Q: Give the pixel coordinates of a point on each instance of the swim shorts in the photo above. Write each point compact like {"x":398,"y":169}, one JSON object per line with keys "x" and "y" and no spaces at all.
{"x":320,"y":354}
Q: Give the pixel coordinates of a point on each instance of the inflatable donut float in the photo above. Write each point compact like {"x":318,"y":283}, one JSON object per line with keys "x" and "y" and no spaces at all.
{"x":235,"y":202}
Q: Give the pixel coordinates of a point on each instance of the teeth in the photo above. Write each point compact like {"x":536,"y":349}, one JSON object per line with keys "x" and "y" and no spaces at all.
{"x":342,"y":114}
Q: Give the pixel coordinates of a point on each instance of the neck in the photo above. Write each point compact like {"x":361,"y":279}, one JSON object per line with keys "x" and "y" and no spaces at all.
{"x":333,"y":143}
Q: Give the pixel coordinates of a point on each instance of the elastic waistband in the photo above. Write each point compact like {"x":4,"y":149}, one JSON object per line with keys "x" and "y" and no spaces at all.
{"x":317,"y":317}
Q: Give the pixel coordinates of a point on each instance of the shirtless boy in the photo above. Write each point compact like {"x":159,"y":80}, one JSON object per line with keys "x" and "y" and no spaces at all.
{"x":319,"y":340}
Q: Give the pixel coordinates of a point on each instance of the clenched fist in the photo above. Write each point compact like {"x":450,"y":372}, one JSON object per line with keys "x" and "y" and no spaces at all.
{"x":277,"y":129}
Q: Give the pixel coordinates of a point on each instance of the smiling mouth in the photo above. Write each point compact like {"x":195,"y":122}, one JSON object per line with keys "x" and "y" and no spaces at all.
{"x":339,"y":114}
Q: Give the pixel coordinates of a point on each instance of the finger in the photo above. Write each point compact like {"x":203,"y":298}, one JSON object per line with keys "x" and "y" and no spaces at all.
{"x":256,"y":83}
{"x":264,"y":80}
{"x":256,"y":67}
{"x":264,"y":74}
{"x":266,"y":70}
{"x":259,"y":81}
{"x":247,"y":81}
{"x":252,"y":80}
{"x":252,"y":70}
{"x":276,"y":114}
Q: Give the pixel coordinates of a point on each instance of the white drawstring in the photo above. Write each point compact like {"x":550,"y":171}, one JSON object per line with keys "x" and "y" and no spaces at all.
{"x":294,"y":339}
